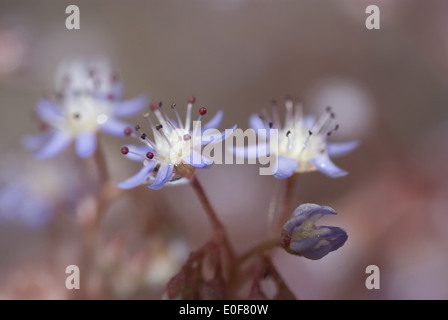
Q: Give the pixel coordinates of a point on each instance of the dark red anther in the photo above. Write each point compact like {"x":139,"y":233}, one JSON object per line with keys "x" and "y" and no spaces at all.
{"x":128,"y":131}
{"x":191,"y":99}
{"x":154,"y":106}
{"x":202,"y":111}
{"x":150,"y":155}
{"x":124,"y":150}
{"x":143,"y":136}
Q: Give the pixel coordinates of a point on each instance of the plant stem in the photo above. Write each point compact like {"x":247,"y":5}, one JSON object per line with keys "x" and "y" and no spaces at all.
{"x":262,"y":247}
{"x":218,"y":228}
{"x":284,"y":212}
{"x":216,"y":224}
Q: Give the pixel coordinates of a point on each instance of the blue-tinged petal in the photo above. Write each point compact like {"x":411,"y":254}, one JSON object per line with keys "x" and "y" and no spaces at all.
{"x":55,"y":144}
{"x":130,"y":107}
{"x":195,"y":159}
{"x":304,"y":245}
{"x":317,"y":254}
{"x":217,"y":137}
{"x":326,"y":166}
{"x":138,"y":153}
{"x":329,"y":242}
{"x":85,"y":144}
{"x":214,"y":122}
{"x":139,"y":177}
{"x":285,"y":167}
{"x":34,"y":142}
{"x":115,"y":127}
{"x":337,"y":236}
{"x":48,"y":111}
{"x":163,"y":175}
{"x":308,"y":212}
{"x":256,"y":123}
{"x":308,"y":121}
{"x":340,"y":149}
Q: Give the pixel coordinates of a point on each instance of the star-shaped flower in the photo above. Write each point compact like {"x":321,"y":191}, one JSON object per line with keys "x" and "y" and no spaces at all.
{"x":176,"y":150}
{"x":302,"y":141}
{"x":89,"y":100}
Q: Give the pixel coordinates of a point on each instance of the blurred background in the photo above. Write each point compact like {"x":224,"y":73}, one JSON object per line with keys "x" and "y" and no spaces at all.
{"x":388,"y":88}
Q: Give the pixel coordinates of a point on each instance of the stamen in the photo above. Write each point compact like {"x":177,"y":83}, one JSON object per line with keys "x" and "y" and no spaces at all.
{"x":324,"y":121}
{"x":162,"y":133}
{"x":289,"y":113}
{"x":191,"y":100}
{"x":143,"y":136}
{"x":159,"y":116}
{"x":124,"y":150}
{"x":289,"y":147}
{"x":336,"y":127}
{"x":266,"y":118}
{"x":305,"y":143}
{"x":150,"y":155}
{"x":298,"y":114}
{"x":275,"y":113}
{"x":187,"y":137}
{"x":202,"y":111}
{"x":179,"y":121}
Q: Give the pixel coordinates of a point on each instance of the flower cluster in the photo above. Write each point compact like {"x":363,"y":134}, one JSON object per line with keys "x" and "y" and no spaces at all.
{"x":89,"y":100}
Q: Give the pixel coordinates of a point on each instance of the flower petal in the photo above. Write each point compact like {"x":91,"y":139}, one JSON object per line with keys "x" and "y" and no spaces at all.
{"x":85,"y":144}
{"x":131,"y":107}
{"x":214,"y":122}
{"x":163,"y":175}
{"x":340,"y":149}
{"x":285,"y":167}
{"x":196,"y":160}
{"x":115,"y":127}
{"x":309,"y":121}
{"x":34,"y":142}
{"x":256,"y":123}
{"x":48,"y":111}
{"x":332,"y":241}
{"x":139,"y":177}
{"x":326,"y":166}
{"x":55,"y":144}
{"x":304,"y":246}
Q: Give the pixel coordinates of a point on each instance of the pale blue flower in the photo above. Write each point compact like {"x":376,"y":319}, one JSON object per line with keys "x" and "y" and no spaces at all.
{"x":300,"y":236}
{"x":302,"y":142}
{"x":175,"y":151}
{"x":89,"y":100}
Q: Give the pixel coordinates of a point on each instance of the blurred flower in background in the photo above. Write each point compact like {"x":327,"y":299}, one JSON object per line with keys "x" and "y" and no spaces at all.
{"x":88,"y":100}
